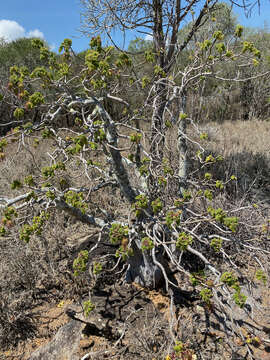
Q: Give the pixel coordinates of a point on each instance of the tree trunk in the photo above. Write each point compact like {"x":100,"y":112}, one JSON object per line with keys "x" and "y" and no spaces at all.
{"x":182,"y":147}
{"x":157,"y":140}
{"x":157,"y":128}
{"x":142,"y":269}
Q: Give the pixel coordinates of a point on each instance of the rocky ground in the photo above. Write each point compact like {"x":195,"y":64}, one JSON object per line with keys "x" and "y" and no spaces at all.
{"x":131,"y":323}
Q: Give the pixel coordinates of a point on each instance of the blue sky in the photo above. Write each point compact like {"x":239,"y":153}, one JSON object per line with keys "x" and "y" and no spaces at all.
{"x":55,"y":20}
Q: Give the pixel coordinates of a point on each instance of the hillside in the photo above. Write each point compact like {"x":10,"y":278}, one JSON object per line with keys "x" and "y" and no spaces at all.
{"x":37,"y":282}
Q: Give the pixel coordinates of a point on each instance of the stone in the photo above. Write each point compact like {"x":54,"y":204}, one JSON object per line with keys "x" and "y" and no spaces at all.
{"x":64,"y":345}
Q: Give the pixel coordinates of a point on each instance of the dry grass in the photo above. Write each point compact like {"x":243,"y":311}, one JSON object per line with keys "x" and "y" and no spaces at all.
{"x":233,"y":137}
{"x":246,"y":150}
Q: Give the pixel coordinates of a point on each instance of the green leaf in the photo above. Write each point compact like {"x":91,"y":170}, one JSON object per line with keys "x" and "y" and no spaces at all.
{"x":238,"y":30}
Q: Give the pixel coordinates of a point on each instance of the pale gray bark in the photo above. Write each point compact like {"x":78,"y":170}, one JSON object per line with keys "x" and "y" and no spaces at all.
{"x":183,"y":148}
{"x":118,"y":166}
{"x":157,"y":128}
{"x":142,"y":269}
{"x":75,"y":212}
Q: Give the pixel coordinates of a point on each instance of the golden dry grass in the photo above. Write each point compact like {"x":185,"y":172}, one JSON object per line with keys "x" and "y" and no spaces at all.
{"x":236,"y":136}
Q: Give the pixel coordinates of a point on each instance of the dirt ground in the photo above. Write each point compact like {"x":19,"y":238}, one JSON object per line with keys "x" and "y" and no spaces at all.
{"x":131,"y":323}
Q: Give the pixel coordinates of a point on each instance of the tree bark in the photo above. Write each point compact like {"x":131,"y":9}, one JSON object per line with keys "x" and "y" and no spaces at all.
{"x":142,"y":269}
{"x":182,"y":147}
{"x":119,"y":169}
{"x":157,"y":131}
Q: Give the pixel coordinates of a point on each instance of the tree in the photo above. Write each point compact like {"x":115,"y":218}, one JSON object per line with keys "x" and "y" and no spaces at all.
{"x":140,"y":45}
{"x":167,"y":217}
{"x":162,"y":20}
{"x":254,"y":94}
{"x":21,"y":53}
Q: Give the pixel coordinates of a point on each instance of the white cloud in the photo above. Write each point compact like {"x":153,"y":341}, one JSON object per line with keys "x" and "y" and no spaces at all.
{"x":148,"y":37}
{"x":35,"y":33}
{"x":11,"y":30}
